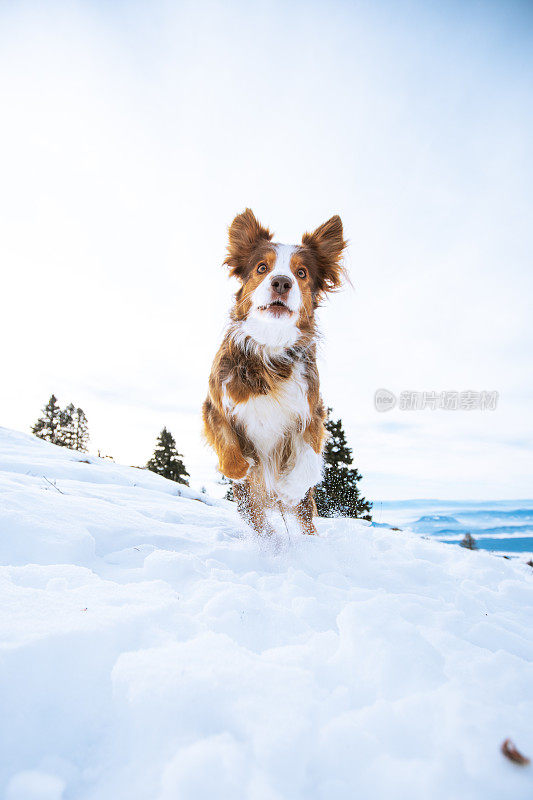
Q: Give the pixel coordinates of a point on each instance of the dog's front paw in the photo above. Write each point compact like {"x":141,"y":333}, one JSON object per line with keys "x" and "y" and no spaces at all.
{"x":233,"y":465}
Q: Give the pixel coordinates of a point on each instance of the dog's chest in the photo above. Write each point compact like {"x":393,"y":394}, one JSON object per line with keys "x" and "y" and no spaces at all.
{"x":266,"y":418}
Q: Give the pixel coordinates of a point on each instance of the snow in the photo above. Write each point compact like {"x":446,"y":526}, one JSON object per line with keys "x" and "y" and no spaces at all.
{"x":154,"y":649}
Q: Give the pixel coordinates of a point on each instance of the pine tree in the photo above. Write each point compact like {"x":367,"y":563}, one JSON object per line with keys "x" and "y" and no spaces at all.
{"x":47,"y":426}
{"x":67,"y":427}
{"x":469,"y":542}
{"x":166,"y":460}
{"x":338,"y":494}
{"x":81,"y":430}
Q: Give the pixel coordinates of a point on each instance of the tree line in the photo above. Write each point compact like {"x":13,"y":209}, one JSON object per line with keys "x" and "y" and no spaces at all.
{"x":338,"y":495}
{"x":66,"y":427}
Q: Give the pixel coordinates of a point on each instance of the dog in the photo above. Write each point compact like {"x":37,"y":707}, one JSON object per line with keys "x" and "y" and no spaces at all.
{"x":264,"y":415}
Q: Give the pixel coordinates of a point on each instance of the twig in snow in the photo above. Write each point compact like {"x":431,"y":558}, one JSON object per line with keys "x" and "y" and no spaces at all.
{"x":53,"y":484}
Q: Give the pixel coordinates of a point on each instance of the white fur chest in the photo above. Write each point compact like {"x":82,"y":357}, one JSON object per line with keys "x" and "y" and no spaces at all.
{"x":266,"y":418}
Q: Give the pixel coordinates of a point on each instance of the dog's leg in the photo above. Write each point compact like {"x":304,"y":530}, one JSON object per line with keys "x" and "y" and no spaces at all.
{"x":231,"y":461}
{"x":251,"y":506}
{"x":305,"y":510}
{"x":223,"y":439}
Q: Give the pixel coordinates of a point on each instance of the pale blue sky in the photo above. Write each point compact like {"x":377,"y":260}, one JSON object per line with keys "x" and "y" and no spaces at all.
{"x":133,"y":132}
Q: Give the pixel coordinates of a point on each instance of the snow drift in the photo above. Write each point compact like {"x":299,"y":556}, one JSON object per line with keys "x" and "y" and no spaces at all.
{"x":154,"y":649}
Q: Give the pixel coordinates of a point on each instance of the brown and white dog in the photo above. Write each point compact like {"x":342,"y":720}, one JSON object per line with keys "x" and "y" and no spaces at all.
{"x":263,"y":414}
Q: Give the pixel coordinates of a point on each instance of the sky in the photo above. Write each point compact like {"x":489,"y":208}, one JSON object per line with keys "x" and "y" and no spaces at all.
{"x":133,"y":132}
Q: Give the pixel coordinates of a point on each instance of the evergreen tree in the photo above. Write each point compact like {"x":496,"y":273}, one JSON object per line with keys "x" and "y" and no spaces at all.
{"x":469,"y":542}
{"x":166,"y":460}
{"x":47,"y":426}
{"x":67,"y":427}
{"x":81,"y":430}
{"x":338,"y":494}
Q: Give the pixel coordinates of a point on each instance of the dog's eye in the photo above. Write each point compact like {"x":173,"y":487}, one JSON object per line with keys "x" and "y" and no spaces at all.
{"x":302,"y":273}
{"x":262,"y":268}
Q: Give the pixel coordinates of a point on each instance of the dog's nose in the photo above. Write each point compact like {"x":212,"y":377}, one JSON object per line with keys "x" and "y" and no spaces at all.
{"x":281,"y":283}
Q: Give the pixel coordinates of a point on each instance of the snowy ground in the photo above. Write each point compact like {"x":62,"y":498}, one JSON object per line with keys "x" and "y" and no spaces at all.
{"x":154,"y":650}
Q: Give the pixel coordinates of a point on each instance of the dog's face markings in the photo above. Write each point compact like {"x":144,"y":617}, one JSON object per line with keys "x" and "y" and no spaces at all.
{"x":273,"y":285}
{"x":283,"y":283}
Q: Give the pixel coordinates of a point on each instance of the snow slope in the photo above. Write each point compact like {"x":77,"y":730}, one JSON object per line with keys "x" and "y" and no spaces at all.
{"x":154,"y":649}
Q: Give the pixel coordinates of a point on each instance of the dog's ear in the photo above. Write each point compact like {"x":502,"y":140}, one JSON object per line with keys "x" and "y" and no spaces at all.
{"x":245,"y":233}
{"x":328,"y":244}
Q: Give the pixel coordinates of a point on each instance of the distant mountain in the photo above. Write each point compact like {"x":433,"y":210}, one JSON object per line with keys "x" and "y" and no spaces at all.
{"x":435,"y":523}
